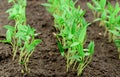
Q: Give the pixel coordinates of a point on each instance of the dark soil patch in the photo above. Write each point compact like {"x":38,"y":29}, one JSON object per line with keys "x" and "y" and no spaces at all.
{"x":46,"y":60}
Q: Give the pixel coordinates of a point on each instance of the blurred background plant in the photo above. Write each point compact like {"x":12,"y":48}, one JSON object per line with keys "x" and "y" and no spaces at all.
{"x":109,"y":18}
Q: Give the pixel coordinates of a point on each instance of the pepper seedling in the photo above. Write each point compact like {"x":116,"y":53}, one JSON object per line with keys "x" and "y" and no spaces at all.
{"x":20,"y":36}
{"x":72,"y":27}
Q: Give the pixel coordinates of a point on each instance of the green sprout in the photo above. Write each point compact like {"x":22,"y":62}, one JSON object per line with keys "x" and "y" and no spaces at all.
{"x":20,"y":36}
{"x":113,"y":19}
{"x":116,"y":33}
{"x":109,"y":19}
{"x":108,"y":16}
{"x":97,"y":7}
{"x":72,"y":27}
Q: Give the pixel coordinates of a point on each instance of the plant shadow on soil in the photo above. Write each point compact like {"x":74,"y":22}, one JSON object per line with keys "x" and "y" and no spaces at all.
{"x":46,"y":61}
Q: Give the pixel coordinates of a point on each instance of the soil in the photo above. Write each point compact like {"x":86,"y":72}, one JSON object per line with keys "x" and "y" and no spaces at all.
{"x":47,"y":61}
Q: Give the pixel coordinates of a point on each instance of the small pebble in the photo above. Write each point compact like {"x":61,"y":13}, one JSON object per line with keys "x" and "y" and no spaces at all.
{"x":100,"y":34}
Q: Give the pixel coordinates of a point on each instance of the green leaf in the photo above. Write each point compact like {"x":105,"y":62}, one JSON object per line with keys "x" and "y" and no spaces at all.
{"x":117,"y":9}
{"x":103,"y":3}
{"x":19,"y":42}
{"x":74,"y":44}
{"x":115,"y":32}
{"x":87,"y":54}
{"x":23,"y":28}
{"x":76,"y":57}
{"x":117,"y":27}
{"x":70,"y":36}
{"x":33,"y":44}
{"x":22,"y":62}
{"x":9,"y":36}
{"x":90,"y":6}
{"x":117,"y":42}
{"x":9,"y":33}
{"x":21,"y":35}
{"x":91,"y":47}
{"x":96,"y":3}
{"x":80,"y":50}
{"x":14,"y":12}
{"x":97,"y":19}
{"x":36,"y":42}
{"x":104,"y":16}
{"x":60,"y":48}
{"x":4,"y":41}
{"x":11,"y":28}
{"x":10,"y":1}
{"x":82,"y":34}
{"x":46,"y":4}
{"x":110,"y":8}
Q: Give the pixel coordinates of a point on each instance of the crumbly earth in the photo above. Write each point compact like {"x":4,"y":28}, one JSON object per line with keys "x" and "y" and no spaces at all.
{"x":46,"y":61}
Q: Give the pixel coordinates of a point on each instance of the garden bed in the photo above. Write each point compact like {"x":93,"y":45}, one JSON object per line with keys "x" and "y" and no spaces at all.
{"x":47,"y":61}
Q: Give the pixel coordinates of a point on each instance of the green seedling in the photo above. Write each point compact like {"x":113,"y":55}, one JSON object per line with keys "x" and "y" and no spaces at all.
{"x":20,"y":36}
{"x":72,"y":27}
{"x":112,"y":19}
{"x":109,"y":18}
{"x":116,"y":32}
{"x":97,"y":7}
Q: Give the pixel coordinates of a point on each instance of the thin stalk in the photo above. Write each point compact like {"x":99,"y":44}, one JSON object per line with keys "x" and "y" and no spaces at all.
{"x":87,"y":61}
{"x":119,"y":52}
{"x":21,"y":54}
{"x":83,"y":65}
{"x":15,"y":46}
{"x":94,"y":14}
{"x":110,"y":36}
{"x":67,"y":57}
{"x":15,"y":51}
{"x":25,"y":58}
{"x":71,"y":62}
{"x":75,"y":63}
{"x":98,"y":14}
{"x":80,"y":68}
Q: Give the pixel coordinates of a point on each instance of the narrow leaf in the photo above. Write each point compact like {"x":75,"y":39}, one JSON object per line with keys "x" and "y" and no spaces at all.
{"x":91,"y":47}
{"x":90,"y":6}
{"x":74,"y":44}
{"x":11,"y":28}
{"x":103,"y":3}
{"x":60,"y":48}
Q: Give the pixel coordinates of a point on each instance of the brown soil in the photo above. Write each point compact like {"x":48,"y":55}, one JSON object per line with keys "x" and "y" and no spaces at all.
{"x":46,"y":61}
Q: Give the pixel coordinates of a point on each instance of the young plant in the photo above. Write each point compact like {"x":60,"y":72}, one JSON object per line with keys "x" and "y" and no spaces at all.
{"x":97,"y":7}
{"x":72,"y":29}
{"x":116,"y":33}
{"x":20,"y":36}
{"x":113,"y":18}
{"x":107,"y":15}
{"x":110,"y":19}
